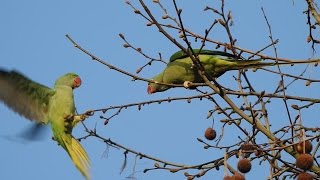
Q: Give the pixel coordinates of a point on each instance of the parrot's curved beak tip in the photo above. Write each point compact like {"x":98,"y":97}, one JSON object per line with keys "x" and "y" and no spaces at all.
{"x":151,"y":90}
{"x":77,"y":82}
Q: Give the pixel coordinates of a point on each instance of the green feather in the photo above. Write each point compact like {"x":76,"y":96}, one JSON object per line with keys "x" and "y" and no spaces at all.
{"x":38,"y":102}
{"x":61,"y":108}
{"x":182,"y":54}
{"x":26,"y":97}
{"x":180,"y":67}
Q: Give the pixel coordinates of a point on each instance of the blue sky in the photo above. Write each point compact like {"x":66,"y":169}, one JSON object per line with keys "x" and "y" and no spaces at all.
{"x":32,"y":41}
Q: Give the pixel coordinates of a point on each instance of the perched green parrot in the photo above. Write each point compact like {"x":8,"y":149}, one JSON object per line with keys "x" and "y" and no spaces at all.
{"x":180,"y":68}
{"x":45,"y":105}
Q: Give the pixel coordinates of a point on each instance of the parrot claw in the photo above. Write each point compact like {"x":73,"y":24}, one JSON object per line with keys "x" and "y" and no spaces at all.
{"x":68,"y":117}
{"x":83,"y":117}
{"x":75,"y":119}
{"x":86,"y":115}
{"x":89,"y":113}
{"x":78,"y":118}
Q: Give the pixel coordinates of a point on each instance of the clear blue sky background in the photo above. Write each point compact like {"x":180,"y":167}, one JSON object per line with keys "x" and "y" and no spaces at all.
{"x":32,"y":40}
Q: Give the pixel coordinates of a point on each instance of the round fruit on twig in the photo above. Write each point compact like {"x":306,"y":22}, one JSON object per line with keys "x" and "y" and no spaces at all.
{"x":304,"y":176}
{"x":247,"y":147}
{"x":244,"y":165}
{"x":238,"y":176}
{"x":303,"y":147}
{"x":210,"y":133}
{"x":304,"y":161}
{"x":228,"y":178}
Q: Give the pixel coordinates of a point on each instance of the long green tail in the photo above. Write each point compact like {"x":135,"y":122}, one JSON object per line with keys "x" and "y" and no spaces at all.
{"x":77,"y":154}
{"x":245,"y":64}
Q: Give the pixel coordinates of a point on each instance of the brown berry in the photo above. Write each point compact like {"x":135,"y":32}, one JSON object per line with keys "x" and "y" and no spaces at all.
{"x":244,"y":165}
{"x":228,"y":178}
{"x":248,"y":147}
{"x":258,"y":152}
{"x":304,"y":176}
{"x":238,"y":176}
{"x":304,"y":161}
{"x":210,"y":133}
{"x":303,"y":147}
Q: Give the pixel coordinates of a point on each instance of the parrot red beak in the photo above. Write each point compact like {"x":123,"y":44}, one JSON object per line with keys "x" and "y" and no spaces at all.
{"x":151,"y":90}
{"x":76,"y":82}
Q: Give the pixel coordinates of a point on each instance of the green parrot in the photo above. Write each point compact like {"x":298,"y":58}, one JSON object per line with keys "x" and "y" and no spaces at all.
{"x":44,"y":105}
{"x":180,"y":68}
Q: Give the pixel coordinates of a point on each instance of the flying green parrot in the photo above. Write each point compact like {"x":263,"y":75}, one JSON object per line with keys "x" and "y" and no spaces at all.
{"x":180,"y":68}
{"x":44,"y":105}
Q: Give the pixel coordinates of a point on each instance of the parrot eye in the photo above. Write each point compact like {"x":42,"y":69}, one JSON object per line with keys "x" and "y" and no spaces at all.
{"x":76,"y":82}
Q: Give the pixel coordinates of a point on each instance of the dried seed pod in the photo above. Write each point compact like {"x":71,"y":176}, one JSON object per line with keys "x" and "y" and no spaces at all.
{"x":296,"y":107}
{"x":166,"y":16}
{"x":308,"y":83}
{"x":304,"y":161}
{"x":210,"y":133}
{"x":244,"y":165}
{"x":303,"y":147}
{"x":126,"y":45}
{"x":304,"y":176}
{"x":309,"y":38}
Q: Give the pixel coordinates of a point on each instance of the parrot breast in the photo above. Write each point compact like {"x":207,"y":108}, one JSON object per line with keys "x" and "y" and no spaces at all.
{"x":61,"y":106}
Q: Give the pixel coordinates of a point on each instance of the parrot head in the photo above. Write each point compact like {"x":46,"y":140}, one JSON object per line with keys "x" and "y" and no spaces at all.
{"x":70,"y":79}
{"x":76,"y":82}
{"x":154,"y":87}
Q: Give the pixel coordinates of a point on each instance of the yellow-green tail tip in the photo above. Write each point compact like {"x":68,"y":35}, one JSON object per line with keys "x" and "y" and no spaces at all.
{"x":79,"y":156}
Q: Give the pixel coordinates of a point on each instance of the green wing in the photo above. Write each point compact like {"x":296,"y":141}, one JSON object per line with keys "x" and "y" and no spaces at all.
{"x":181,"y":54}
{"x":24,"y":96}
